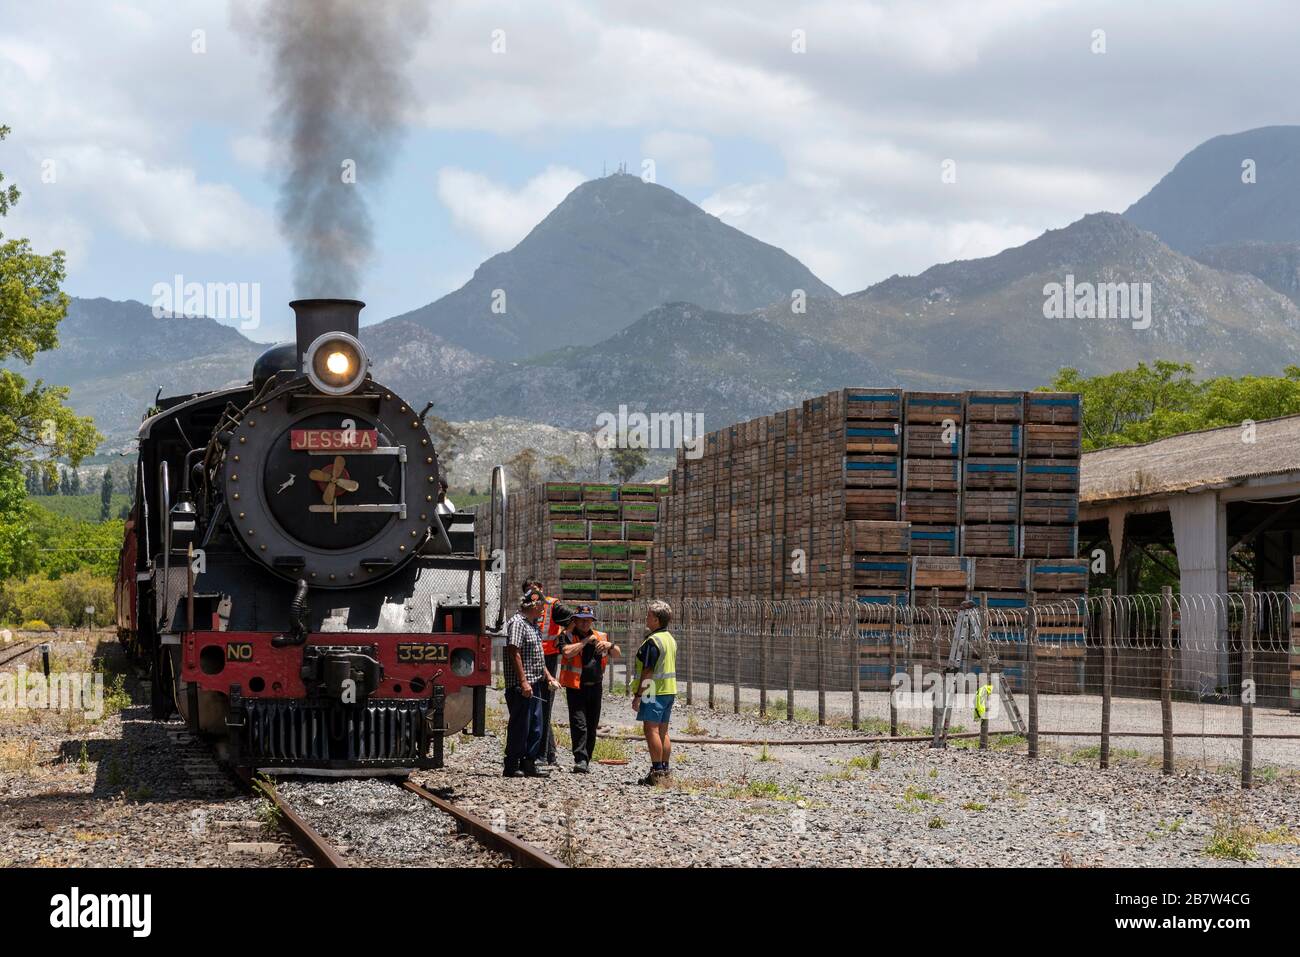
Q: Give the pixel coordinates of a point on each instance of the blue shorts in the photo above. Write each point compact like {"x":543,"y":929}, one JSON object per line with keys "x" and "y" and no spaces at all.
{"x":656,"y":710}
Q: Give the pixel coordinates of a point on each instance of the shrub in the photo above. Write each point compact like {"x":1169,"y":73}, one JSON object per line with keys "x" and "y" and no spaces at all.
{"x":61,"y":601}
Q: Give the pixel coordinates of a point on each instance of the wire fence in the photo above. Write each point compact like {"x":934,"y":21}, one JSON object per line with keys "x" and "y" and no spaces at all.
{"x":1205,"y":679}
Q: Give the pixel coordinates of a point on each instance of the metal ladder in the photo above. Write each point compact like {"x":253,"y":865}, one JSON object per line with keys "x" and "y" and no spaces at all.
{"x":968,"y":637}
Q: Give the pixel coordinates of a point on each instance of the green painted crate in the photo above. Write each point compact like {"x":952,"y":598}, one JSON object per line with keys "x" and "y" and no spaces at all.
{"x":616,"y":591}
{"x":578,"y":590}
{"x":573,"y":550}
{"x":563,"y":492}
{"x":638,"y":550}
{"x":609,"y":551}
{"x":564,"y":509}
{"x":633,"y":492}
{"x":606,"y":511}
{"x":607,"y":531}
{"x":613,"y":571}
{"x":640,"y":511}
{"x":594,"y":492}
{"x":640,"y":531}
{"x":569,"y":530}
{"x":576,"y":570}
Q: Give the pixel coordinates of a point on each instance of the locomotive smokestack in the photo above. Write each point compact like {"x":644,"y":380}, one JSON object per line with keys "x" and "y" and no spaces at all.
{"x":315,"y":317}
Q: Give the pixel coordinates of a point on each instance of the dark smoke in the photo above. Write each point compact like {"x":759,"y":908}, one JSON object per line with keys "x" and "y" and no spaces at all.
{"x":340,"y":94}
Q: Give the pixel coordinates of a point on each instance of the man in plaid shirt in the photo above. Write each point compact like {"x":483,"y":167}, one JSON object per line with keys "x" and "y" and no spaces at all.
{"x":526,"y":677}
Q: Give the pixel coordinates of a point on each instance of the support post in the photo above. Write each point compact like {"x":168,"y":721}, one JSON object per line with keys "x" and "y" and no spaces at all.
{"x":1248,"y":691}
{"x":1031,"y":673}
{"x":713,"y":652}
{"x":855,"y":657}
{"x":936,"y":707}
{"x":789,"y":664}
{"x":1107,"y":672}
{"x":893,"y":669}
{"x":984,"y":664}
{"x":821,"y":663}
{"x":1167,"y":676}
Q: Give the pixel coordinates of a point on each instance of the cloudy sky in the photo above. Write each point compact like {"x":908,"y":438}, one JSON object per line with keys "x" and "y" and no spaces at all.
{"x":165,"y":162}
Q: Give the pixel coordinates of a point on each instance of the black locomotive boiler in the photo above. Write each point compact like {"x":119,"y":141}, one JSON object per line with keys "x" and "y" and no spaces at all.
{"x":290,"y":578}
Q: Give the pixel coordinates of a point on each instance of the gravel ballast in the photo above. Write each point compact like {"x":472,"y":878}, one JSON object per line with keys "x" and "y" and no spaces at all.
{"x":737,"y":805}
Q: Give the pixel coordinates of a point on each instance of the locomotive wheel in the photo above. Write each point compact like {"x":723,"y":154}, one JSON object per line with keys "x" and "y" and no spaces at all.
{"x":160,"y":701}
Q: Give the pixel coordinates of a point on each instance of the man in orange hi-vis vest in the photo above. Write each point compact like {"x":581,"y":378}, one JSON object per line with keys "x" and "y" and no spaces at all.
{"x":582,"y":667}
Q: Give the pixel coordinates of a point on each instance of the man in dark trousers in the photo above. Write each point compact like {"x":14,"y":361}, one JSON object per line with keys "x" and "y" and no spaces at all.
{"x":525,"y":676}
{"x":585,"y":653}
{"x":555,"y":617}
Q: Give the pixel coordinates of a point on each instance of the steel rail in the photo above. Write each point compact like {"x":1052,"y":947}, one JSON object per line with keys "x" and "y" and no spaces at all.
{"x":519,"y":851}
{"x":810,"y":742}
{"x":19,"y":653}
{"x":321,"y":852}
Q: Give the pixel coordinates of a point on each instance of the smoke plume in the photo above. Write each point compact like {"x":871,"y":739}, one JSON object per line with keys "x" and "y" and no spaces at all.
{"x":340,"y":94}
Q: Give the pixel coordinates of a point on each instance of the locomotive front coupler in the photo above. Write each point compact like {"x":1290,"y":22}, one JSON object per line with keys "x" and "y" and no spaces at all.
{"x":327,"y":670}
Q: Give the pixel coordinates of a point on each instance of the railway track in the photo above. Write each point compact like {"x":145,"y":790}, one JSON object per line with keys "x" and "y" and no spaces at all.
{"x":17,"y":653}
{"x":521,"y":852}
{"x":318,"y":848}
{"x":309,"y":840}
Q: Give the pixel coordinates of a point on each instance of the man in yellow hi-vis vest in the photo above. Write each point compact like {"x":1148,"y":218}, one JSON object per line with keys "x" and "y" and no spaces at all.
{"x":654,"y":688}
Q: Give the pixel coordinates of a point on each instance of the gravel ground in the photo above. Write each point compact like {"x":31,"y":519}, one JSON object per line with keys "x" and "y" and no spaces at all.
{"x":373,"y":822}
{"x":840,"y":806}
{"x":120,"y":790}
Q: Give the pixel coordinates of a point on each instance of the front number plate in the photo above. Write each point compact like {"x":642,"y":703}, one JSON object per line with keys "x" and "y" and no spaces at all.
{"x":418,"y":652}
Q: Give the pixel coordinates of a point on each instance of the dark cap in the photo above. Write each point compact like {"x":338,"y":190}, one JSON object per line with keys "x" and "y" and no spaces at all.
{"x":531,"y":599}
{"x":584,"y":611}
{"x":561,"y":614}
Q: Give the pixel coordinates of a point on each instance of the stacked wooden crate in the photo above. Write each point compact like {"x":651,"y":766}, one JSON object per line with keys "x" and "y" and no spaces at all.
{"x":879,"y":495}
{"x":586,"y":541}
{"x":1050,"y":498}
{"x":931,"y":500}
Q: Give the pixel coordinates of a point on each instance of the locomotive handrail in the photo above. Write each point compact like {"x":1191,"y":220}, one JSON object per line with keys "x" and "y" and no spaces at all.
{"x":498,"y":483}
{"x":164,"y":516}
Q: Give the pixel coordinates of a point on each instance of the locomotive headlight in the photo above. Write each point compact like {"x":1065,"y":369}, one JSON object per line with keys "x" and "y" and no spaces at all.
{"x":336,"y":363}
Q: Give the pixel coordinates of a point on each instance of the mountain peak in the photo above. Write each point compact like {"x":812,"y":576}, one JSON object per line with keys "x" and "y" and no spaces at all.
{"x":1232,"y":188}
{"x":615,"y":248}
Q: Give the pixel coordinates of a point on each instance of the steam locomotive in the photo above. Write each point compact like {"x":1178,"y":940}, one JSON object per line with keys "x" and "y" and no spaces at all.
{"x":290,"y":578}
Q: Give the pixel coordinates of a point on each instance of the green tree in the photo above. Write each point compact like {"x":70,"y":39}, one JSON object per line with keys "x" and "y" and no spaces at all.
{"x":1151,"y":402}
{"x":61,"y":544}
{"x":448,"y":441}
{"x":65,"y":482}
{"x":106,"y":496}
{"x":34,"y":421}
{"x":522,"y":468}
{"x":76,"y":481}
{"x":559,"y":468}
{"x":16,"y":541}
{"x":627,"y":462}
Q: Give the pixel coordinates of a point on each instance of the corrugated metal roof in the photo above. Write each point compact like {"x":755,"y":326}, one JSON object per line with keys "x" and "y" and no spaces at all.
{"x":1191,"y":461}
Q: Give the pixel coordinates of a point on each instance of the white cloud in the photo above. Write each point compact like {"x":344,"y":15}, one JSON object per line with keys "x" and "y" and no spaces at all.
{"x":253,"y":151}
{"x":167,"y":205}
{"x":847,"y":243}
{"x":685,"y":157}
{"x":497,"y":215}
